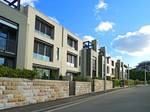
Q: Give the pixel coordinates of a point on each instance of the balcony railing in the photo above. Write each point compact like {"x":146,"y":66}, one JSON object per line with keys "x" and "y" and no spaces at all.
{"x":8,"y":45}
{"x":41,"y":57}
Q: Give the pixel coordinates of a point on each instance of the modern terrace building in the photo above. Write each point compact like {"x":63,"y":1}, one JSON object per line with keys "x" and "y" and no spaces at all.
{"x":111,"y":65}
{"x":121,"y":70}
{"x":31,"y":40}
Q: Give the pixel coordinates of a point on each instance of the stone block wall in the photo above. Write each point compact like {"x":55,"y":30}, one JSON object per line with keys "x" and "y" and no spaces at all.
{"x":109,"y":85}
{"x":82,"y":88}
{"x":19,"y":92}
{"x":98,"y":85}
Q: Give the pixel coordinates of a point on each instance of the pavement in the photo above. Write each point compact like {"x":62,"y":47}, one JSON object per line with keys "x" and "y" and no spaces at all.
{"x":135,"y":99}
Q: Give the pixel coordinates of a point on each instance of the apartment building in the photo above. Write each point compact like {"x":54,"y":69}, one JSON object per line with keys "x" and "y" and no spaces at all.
{"x":13,"y":33}
{"x":110,"y":67}
{"x":121,"y":70}
{"x":102,"y":62}
{"x":90,"y":59}
{"x":31,"y":40}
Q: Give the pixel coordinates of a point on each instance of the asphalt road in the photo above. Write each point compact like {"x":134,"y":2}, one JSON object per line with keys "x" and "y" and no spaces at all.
{"x":135,"y":99}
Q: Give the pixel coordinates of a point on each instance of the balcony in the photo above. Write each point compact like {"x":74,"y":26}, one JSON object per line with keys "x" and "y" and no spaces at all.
{"x":7,"y":45}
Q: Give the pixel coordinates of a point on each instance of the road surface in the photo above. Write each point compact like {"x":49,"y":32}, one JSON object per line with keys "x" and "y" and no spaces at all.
{"x":135,"y":99}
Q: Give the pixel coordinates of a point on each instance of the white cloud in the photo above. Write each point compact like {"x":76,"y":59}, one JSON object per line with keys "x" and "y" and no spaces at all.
{"x":134,"y":43}
{"x":101,"y":5}
{"x":54,"y":19}
{"x":117,"y":57}
{"x":24,"y":2}
{"x":28,"y":2}
{"x":104,"y":26}
{"x":88,"y":38}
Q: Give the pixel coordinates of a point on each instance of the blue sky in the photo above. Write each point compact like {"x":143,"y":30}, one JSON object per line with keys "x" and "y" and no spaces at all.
{"x":123,"y":26}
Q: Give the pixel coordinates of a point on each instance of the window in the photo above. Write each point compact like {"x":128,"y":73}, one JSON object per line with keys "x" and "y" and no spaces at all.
{"x":43,"y":51}
{"x":72,"y":43}
{"x":107,"y":69}
{"x":8,"y":37}
{"x":113,"y":71}
{"x":72,"y":60}
{"x":44,"y":27}
{"x":57,"y":56}
{"x":112,"y":63}
{"x":94,"y":63}
{"x":107,"y":60}
{"x":41,"y":48}
{"x":7,"y":62}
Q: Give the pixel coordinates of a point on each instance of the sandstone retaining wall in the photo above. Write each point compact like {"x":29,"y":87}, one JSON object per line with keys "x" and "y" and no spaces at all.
{"x":82,"y":88}
{"x":18,"y":92}
{"x":109,"y":85}
{"x":98,"y":85}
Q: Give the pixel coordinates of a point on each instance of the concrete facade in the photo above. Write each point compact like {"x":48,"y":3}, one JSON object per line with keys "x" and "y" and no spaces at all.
{"x":111,"y":65}
{"x":121,"y":70}
{"x":48,"y":47}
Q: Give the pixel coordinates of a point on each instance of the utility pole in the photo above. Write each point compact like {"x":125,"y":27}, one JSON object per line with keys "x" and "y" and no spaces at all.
{"x":128,"y":74}
{"x":145,"y":75}
{"x":105,"y":70}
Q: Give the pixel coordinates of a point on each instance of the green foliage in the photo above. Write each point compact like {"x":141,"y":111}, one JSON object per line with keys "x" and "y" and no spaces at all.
{"x":138,"y":75}
{"x":108,"y":78}
{"x":82,"y":78}
{"x":54,"y":75}
{"x":116,"y":83}
{"x":138,"y":82}
{"x":99,"y":78}
{"x":131,"y":82}
{"x":17,"y":73}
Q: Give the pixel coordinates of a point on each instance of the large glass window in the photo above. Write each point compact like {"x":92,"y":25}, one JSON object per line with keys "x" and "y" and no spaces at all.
{"x":43,"y":51}
{"x":112,"y":63}
{"x":72,"y":43}
{"x":8,"y":37}
{"x":108,"y":70}
{"x":44,"y":27}
{"x":71,"y":60}
{"x":6,"y":61}
{"x":94,"y":63}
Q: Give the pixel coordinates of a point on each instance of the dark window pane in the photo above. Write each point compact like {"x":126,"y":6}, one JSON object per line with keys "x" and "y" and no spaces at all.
{"x":41,"y":49}
{"x":37,"y":25}
{"x":35,"y":47}
{"x":57,"y":54}
{"x":48,"y":31}
{"x":43,"y":28}
{"x":48,"y":50}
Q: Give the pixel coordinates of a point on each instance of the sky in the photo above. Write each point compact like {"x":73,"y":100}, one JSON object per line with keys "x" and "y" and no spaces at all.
{"x":123,"y":26}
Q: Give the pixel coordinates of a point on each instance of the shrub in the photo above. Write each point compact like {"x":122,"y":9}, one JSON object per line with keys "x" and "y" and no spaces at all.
{"x":99,"y":78}
{"x":17,"y":73}
{"x":131,"y":82}
{"x":116,"y":83}
{"x":82,"y":78}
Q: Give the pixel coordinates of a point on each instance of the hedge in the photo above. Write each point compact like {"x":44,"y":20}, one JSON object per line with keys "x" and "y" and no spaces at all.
{"x":17,"y":73}
{"x":82,"y":78}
